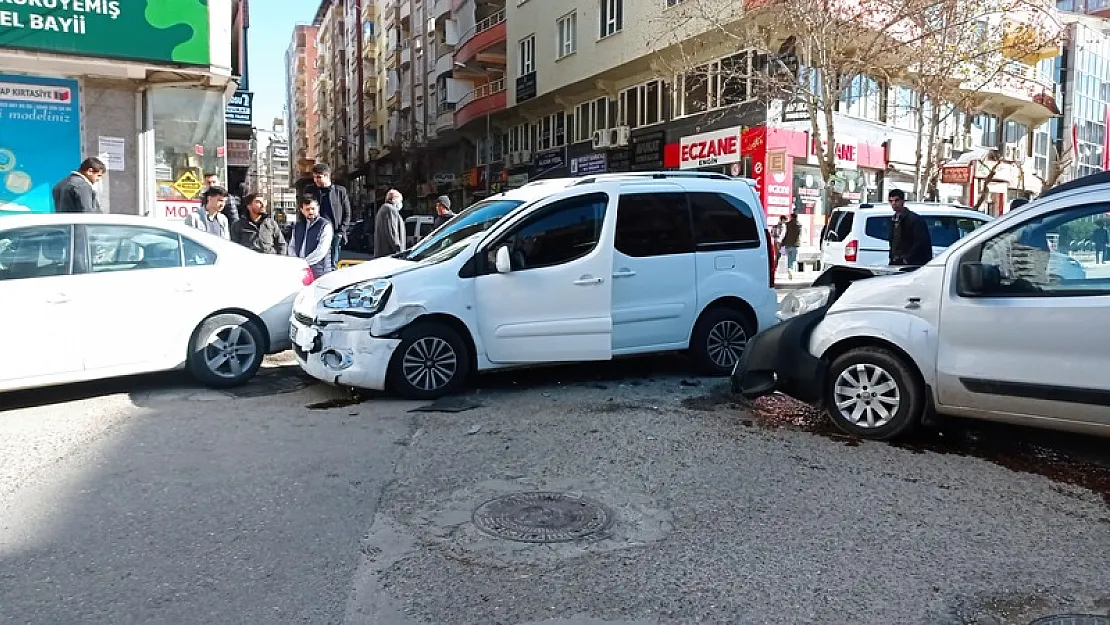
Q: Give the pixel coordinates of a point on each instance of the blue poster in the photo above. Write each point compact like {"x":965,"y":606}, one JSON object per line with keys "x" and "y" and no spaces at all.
{"x":40,"y":140}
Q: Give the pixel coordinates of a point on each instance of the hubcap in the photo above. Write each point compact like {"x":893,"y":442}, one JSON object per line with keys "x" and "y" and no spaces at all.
{"x":430,"y":363}
{"x":726,"y":343}
{"x":229,"y":351}
{"x":866,"y":396}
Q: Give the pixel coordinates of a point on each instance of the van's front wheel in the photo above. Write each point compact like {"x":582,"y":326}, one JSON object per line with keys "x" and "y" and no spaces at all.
{"x":873,"y":393}
{"x":432,"y":361}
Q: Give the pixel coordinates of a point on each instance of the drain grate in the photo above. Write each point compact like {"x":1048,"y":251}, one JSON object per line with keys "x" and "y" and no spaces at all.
{"x":1073,"y":619}
{"x":542,"y":517}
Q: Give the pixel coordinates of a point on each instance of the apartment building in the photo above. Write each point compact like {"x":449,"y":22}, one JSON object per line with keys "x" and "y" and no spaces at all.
{"x":300,"y":100}
{"x":586,"y":91}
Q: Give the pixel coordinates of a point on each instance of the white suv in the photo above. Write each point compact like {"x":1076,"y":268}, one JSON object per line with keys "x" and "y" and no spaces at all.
{"x":859,"y":235}
{"x":556,"y":271}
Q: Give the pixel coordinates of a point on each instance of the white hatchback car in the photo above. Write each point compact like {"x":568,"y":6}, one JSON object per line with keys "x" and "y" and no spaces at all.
{"x":90,"y":296}
{"x":984,"y":330}
{"x":556,"y":271}
{"x":859,"y":235}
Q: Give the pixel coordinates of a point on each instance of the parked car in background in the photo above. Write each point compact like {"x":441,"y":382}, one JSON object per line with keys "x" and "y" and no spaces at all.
{"x":90,"y":296}
{"x":556,"y":271}
{"x":417,"y":227}
{"x":859,"y":235}
{"x":984,"y":330}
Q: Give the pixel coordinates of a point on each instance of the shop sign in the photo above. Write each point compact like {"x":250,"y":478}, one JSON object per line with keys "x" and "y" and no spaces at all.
{"x":619,"y":160}
{"x":238,"y":153}
{"x":719,"y":147}
{"x":955,"y":175}
{"x":647,"y":151}
{"x":240,"y":108}
{"x":281,"y":152}
{"x":526,"y":87}
{"x":846,"y":153}
{"x":551,"y":159}
{"x":175,"y":210}
{"x":443,"y":179}
{"x":517,"y":180}
{"x":188,"y":185}
{"x":162,"y":32}
{"x":778,"y":182}
{"x":40,"y":140}
{"x":595,"y":163}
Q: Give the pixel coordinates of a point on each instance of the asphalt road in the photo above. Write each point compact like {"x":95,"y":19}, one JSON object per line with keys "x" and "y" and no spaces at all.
{"x":148,"y":500}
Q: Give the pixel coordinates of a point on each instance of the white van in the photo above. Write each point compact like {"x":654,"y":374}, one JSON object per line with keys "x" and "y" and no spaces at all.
{"x":556,"y":271}
{"x":985,"y":330}
{"x":859,"y":235}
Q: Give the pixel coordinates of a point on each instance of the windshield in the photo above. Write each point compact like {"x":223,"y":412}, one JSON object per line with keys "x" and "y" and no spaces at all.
{"x":444,"y":242}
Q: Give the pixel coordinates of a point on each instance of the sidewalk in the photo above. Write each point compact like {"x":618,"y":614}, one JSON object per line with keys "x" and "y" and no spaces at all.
{"x":801,"y":279}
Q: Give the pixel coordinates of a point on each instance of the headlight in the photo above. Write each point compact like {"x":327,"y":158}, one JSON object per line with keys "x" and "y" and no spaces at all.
{"x":801,"y":301}
{"x":364,"y":297}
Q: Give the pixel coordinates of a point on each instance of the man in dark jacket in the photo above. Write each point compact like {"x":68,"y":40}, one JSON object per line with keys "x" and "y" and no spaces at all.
{"x":910,"y":241}
{"x":312,"y":237}
{"x":335,"y":205}
{"x":75,"y":193}
{"x":443,"y":211}
{"x":258,"y":231}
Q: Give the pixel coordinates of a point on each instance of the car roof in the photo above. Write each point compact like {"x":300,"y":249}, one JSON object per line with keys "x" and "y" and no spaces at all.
{"x":921,"y":208}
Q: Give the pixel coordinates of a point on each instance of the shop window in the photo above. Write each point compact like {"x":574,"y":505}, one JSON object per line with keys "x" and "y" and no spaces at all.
{"x":653,"y":224}
{"x":188,"y":131}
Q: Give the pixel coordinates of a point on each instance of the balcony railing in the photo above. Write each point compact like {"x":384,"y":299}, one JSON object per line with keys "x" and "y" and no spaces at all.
{"x":481,"y":91}
{"x":482,"y":26}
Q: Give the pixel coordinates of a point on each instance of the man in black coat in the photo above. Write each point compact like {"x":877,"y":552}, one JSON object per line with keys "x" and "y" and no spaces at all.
{"x":75,"y":193}
{"x":335,"y":205}
{"x":910,"y":241}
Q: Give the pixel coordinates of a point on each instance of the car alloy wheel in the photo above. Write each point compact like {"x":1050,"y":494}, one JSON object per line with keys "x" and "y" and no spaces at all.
{"x":229,"y":351}
{"x":725,"y":343}
{"x":429,"y":364}
{"x":866,"y":396}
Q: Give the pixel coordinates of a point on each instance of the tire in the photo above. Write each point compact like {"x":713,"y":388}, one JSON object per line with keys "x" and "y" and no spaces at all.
{"x":226,"y":351}
{"x":889,"y":396}
{"x":719,"y":325}
{"x":413,"y":375}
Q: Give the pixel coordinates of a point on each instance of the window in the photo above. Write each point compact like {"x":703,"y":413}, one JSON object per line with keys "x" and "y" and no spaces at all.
{"x":612,"y":17}
{"x":561,"y":232}
{"x":520,"y":137}
{"x":654,"y":224}
{"x":943,"y":230}
{"x":527,"y":55}
{"x":591,"y":116}
{"x":190,"y":133}
{"x":551,"y":131}
{"x":839,"y":227}
{"x":723,"y":222}
{"x":197,"y":255}
{"x":568,"y":35}
{"x":1057,"y":254}
{"x":36,"y":252}
{"x":862,"y":98}
{"x":721,"y":83}
{"x":641,"y":105}
{"x":125,"y":248}
{"x":903,"y":111}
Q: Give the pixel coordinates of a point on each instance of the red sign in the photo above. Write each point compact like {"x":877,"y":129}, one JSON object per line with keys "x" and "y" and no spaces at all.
{"x":719,"y":147}
{"x":955,"y":175}
{"x":175,"y":210}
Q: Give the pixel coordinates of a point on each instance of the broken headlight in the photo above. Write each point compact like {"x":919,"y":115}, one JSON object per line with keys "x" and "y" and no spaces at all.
{"x":367,"y":297}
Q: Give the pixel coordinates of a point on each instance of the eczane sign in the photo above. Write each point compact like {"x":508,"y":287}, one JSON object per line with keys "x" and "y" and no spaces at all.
{"x":719,"y":147}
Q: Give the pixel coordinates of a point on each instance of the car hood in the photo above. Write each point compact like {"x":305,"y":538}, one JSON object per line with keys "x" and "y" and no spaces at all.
{"x":383,"y":267}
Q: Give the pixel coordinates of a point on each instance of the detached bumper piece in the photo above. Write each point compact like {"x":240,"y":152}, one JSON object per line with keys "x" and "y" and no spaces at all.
{"x":778,"y":359}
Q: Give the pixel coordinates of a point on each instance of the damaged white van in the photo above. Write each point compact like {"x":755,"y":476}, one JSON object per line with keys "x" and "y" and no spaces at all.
{"x":556,"y":271}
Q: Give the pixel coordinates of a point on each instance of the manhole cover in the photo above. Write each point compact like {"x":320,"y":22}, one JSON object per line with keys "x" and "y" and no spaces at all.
{"x":540,"y":517}
{"x":1073,"y":619}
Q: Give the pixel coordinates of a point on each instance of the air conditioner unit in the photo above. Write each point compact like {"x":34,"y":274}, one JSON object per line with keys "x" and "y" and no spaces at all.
{"x":958,"y":143}
{"x":602,"y":139}
{"x":525,"y":157}
{"x":946,"y":151}
{"x":969,"y":141}
{"x":513,"y":159}
{"x":1010,"y":152}
{"x":621,"y":136}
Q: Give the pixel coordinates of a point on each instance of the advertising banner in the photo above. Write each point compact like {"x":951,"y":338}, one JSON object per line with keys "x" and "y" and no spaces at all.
{"x":40,"y":142}
{"x":167,"y":31}
{"x":240,"y":109}
{"x":719,"y":147}
{"x":238,"y":153}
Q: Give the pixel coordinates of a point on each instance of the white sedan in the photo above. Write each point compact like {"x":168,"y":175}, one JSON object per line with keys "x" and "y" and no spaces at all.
{"x":89,"y":296}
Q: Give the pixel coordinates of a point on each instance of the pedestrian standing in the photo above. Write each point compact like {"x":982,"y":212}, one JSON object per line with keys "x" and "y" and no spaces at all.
{"x":75,"y":193}
{"x":334,"y":205}
{"x":389,"y":226}
{"x":910,"y":241}
{"x":258,"y":231}
{"x":209,"y":216}
{"x":312,"y":237}
{"x":231,"y":204}
{"x":791,"y":236}
{"x":443,"y":211}
{"x":1101,"y":238}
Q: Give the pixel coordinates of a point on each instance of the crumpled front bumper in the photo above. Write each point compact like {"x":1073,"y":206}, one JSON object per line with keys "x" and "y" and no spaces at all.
{"x":342,"y":356}
{"x":778,"y":359}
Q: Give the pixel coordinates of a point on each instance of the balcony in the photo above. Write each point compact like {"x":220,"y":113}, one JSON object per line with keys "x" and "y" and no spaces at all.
{"x":1018,"y":90}
{"x":406,"y":57}
{"x":445,"y":121}
{"x":445,"y":64}
{"x":485,"y":34}
{"x":486,"y":99}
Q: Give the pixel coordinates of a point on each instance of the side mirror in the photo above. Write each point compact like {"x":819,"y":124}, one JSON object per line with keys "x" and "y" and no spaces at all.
{"x":502,"y":261}
{"x":977,"y":278}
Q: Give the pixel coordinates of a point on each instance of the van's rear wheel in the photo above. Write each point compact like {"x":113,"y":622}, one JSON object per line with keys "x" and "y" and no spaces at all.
{"x":873,"y":393}
{"x":719,"y":339}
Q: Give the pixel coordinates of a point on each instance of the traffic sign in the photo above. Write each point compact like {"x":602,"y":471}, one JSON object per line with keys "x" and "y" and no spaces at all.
{"x":188,"y":185}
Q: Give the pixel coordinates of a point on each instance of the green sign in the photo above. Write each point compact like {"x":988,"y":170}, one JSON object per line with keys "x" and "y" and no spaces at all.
{"x":160,"y":31}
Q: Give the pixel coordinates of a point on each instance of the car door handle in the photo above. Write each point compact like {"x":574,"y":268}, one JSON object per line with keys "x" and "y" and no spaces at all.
{"x":57,"y":298}
{"x":913,"y":303}
{"x":623,"y":273}
{"x":185,"y":288}
{"x":586,"y":281}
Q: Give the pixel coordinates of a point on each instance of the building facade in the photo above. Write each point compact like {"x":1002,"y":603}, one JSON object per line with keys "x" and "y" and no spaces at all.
{"x":133,"y":87}
{"x":300,"y":80}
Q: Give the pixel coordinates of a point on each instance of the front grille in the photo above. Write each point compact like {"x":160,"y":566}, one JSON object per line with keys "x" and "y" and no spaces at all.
{"x":305,"y":319}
